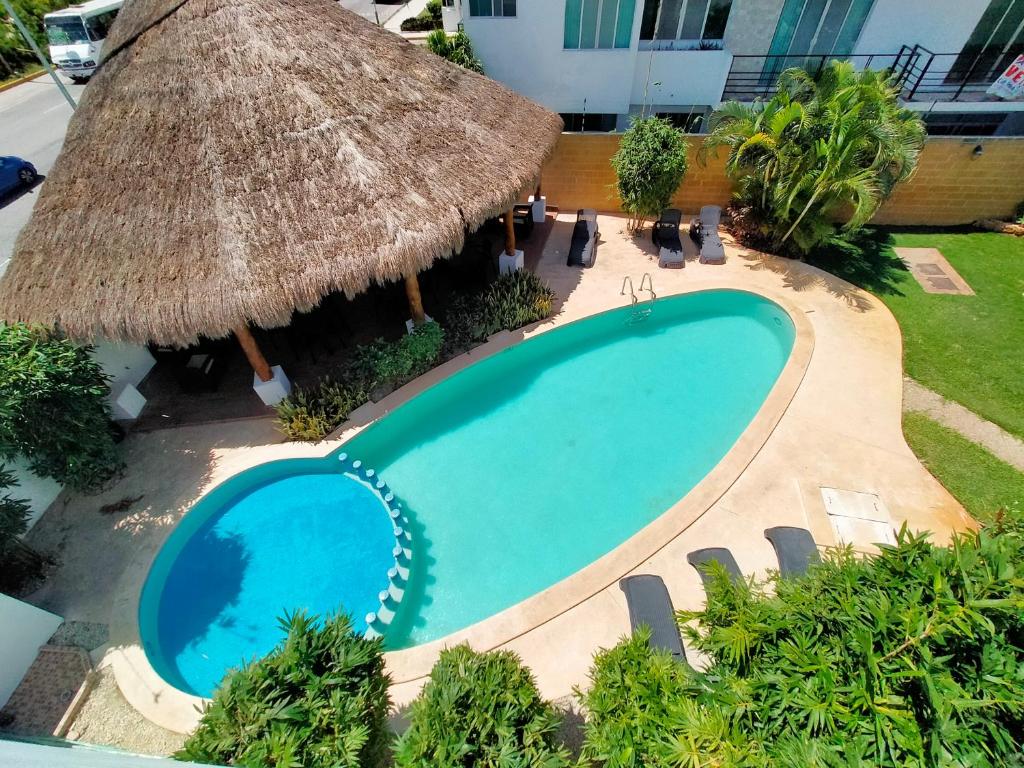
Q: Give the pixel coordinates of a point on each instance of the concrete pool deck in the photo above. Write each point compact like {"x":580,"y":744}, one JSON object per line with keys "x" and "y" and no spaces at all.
{"x":836,"y":424}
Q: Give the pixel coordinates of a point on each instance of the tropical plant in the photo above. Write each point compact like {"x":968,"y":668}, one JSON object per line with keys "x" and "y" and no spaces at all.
{"x":318,"y":700}
{"x":18,"y":561}
{"x":53,"y":408}
{"x":912,"y":657}
{"x":516,"y":299}
{"x":481,"y":710}
{"x":823,"y":148}
{"x":384,"y":362}
{"x":15,"y":54}
{"x":428,"y":19}
{"x":312,"y":414}
{"x":457,"y":49}
{"x":650,"y":164}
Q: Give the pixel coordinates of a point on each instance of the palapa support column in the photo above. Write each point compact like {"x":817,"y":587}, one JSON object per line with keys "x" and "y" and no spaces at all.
{"x":540,"y":205}
{"x":412,"y":291}
{"x":268,"y":382}
{"x":510,"y":259}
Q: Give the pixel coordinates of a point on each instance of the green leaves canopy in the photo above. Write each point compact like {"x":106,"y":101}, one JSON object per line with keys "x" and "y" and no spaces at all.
{"x":318,"y":700}
{"x":53,"y":408}
{"x":458,"y":49}
{"x":650,"y":164}
{"x":823,"y":148}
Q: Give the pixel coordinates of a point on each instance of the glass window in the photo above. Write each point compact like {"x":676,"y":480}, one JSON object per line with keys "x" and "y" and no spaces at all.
{"x":819,"y":27}
{"x":492,"y":7}
{"x":685,"y":19}
{"x":993,"y":45}
{"x":599,"y":23}
{"x":65,"y":30}
{"x":577,"y":122}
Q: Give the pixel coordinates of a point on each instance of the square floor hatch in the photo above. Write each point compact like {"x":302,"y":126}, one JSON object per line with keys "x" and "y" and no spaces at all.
{"x":858,"y":518}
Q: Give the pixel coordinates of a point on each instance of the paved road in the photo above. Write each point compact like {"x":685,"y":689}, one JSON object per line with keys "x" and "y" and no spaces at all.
{"x":33,"y":119}
{"x":365,"y":8}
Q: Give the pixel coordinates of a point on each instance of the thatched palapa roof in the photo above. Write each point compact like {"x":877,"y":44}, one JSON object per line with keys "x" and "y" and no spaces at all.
{"x":233,"y":160}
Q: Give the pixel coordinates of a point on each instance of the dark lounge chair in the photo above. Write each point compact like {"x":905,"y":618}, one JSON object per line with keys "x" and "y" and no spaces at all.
{"x":666,"y":236}
{"x":701,"y":558}
{"x":650,"y":605}
{"x":795,"y":549}
{"x":583,"y":248}
{"x":522,"y":220}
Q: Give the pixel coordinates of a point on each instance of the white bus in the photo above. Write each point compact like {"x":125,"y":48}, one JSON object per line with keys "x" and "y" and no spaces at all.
{"x":76,"y":36}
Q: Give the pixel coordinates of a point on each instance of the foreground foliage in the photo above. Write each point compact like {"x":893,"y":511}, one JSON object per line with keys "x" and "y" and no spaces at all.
{"x":914,"y":657}
{"x":319,"y":700}
{"x":15,"y":55}
{"x":457,"y":49}
{"x":53,"y":408}
{"x":481,"y":710}
{"x":825,"y":148}
{"x":650,"y":164}
{"x":18,"y":561}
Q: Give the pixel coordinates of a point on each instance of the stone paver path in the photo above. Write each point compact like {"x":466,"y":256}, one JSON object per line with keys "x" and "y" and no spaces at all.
{"x":953,"y":415}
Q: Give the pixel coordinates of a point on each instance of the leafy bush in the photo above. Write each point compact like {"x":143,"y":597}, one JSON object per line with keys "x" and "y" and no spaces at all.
{"x":913,"y":657}
{"x":825,"y":148}
{"x":384,"y":362}
{"x":19,"y":563}
{"x":481,"y":710}
{"x":15,"y":55}
{"x":513,"y":300}
{"x":428,"y":19}
{"x":314,"y":413}
{"x":516,"y":299}
{"x":53,"y":408}
{"x":318,"y":700}
{"x":649,"y":167}
{"x":458,"y":49}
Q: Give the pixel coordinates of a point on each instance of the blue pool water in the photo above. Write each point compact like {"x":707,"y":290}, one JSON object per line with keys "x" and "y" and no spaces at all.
{"x":515,"y":472}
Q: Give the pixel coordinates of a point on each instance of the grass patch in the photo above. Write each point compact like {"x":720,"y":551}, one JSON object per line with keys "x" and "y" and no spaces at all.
{"x":981,"y":482}
{"x":29,"y":71}
{"x":967,"y":348}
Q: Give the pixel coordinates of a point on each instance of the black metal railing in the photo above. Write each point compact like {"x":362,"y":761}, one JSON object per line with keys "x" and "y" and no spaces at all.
{"x":921,"y":74}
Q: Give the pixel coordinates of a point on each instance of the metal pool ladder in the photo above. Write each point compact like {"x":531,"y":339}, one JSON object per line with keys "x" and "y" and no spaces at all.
{"x":639,"y":314}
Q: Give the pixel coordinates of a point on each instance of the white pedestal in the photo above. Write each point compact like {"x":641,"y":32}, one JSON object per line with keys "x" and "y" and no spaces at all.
{"x":274,"y":391}
{"x":508,"y":263}
{"x":129,"y":403}
{"x":410,"y":326}
{"x":540,"y":209}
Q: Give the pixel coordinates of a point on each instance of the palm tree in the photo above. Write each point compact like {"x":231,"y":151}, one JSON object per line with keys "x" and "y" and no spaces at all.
{"x":822,"y":146}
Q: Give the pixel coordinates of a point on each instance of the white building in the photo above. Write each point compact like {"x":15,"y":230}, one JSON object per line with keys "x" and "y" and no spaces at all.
{"x":599,"y":61}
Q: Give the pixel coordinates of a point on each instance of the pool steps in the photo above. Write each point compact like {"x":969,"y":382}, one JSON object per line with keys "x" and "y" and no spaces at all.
{"x":378,"y":621}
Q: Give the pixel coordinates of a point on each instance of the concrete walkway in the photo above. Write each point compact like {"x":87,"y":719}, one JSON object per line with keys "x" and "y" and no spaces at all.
{"x":998,"y":441}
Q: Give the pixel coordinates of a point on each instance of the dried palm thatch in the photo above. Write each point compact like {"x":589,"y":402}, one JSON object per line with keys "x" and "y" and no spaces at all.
{"x":234,"y":160}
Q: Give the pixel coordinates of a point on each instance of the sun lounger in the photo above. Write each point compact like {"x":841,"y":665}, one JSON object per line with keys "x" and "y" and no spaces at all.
{"x":710,"y":217}
{"x":701,"y":558}
{"x":665,"y":235}
{"x":711,"y":249}
{"x":650,"y":605}
{"x":583,"y":248}
{"x":795,"y":549}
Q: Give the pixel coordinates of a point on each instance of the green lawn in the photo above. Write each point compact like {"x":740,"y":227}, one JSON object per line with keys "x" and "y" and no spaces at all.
{"x":980,"y":481}
{"x":968,"y":348}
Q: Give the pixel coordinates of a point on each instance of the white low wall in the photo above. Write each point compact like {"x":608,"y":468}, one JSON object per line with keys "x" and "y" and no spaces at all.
{"x":39,"y":492}
{"x":25,"y":628}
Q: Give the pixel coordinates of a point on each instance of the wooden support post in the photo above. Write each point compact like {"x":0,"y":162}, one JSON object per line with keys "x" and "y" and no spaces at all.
{"x":412,"y":291}
{"x":510,"y":233}
{"x":537,"y":194}
{"x":252,"y":352}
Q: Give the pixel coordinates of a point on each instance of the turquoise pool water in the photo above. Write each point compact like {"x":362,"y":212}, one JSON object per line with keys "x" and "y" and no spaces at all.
{"x":519,"y":470}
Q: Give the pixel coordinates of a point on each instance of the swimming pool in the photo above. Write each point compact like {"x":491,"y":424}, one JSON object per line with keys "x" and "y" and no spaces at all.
{"x":517,"y":471}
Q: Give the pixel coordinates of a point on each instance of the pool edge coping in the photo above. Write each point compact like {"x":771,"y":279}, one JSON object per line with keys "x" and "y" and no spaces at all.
{"x":173,"y":709}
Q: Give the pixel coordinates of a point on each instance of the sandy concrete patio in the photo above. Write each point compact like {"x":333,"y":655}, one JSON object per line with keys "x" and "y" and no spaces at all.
{"x":841,"y":429}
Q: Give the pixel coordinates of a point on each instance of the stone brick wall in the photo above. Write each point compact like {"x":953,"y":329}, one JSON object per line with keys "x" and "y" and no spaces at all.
{"x":951,"y":186}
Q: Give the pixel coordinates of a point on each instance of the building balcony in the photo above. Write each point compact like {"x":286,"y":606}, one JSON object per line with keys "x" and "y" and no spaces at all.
{"x":923,"y":76}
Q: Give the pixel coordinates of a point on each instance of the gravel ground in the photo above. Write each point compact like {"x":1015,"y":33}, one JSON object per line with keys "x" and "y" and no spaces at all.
{"x":107,"y":719}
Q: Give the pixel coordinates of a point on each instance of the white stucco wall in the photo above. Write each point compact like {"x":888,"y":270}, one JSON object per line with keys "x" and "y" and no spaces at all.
{"x":681,"y":77}
{"x":123,"y":363}
{"x":942,"y":26}
{"x":25,"y":628}
{"x":39,"y":492}
{"x":752,"y":26}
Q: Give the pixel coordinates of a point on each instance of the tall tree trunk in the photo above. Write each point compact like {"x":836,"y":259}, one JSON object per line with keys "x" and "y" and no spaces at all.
{"x":800,"y":217}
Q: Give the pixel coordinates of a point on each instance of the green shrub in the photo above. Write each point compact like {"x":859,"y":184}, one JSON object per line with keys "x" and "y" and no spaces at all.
{"x":516,"y":299}
{"x":385,"y":362}
{"x":913,"y":657}
{"x":428,"y":19}
{"x":465,"y":323}
{"x":457,"y":49}
{"x":53,"y":408}
{"x":19,"y":563}
{"x":481,"y":710}
{"x":434,"y":10}
{"x":649,"y":165}
{"x":318,"y":700}
{"x":824,"y":148}
{"x":315,"y":413}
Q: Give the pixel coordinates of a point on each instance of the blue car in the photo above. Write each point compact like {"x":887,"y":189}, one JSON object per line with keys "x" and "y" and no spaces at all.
{"x":15,"y":173}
